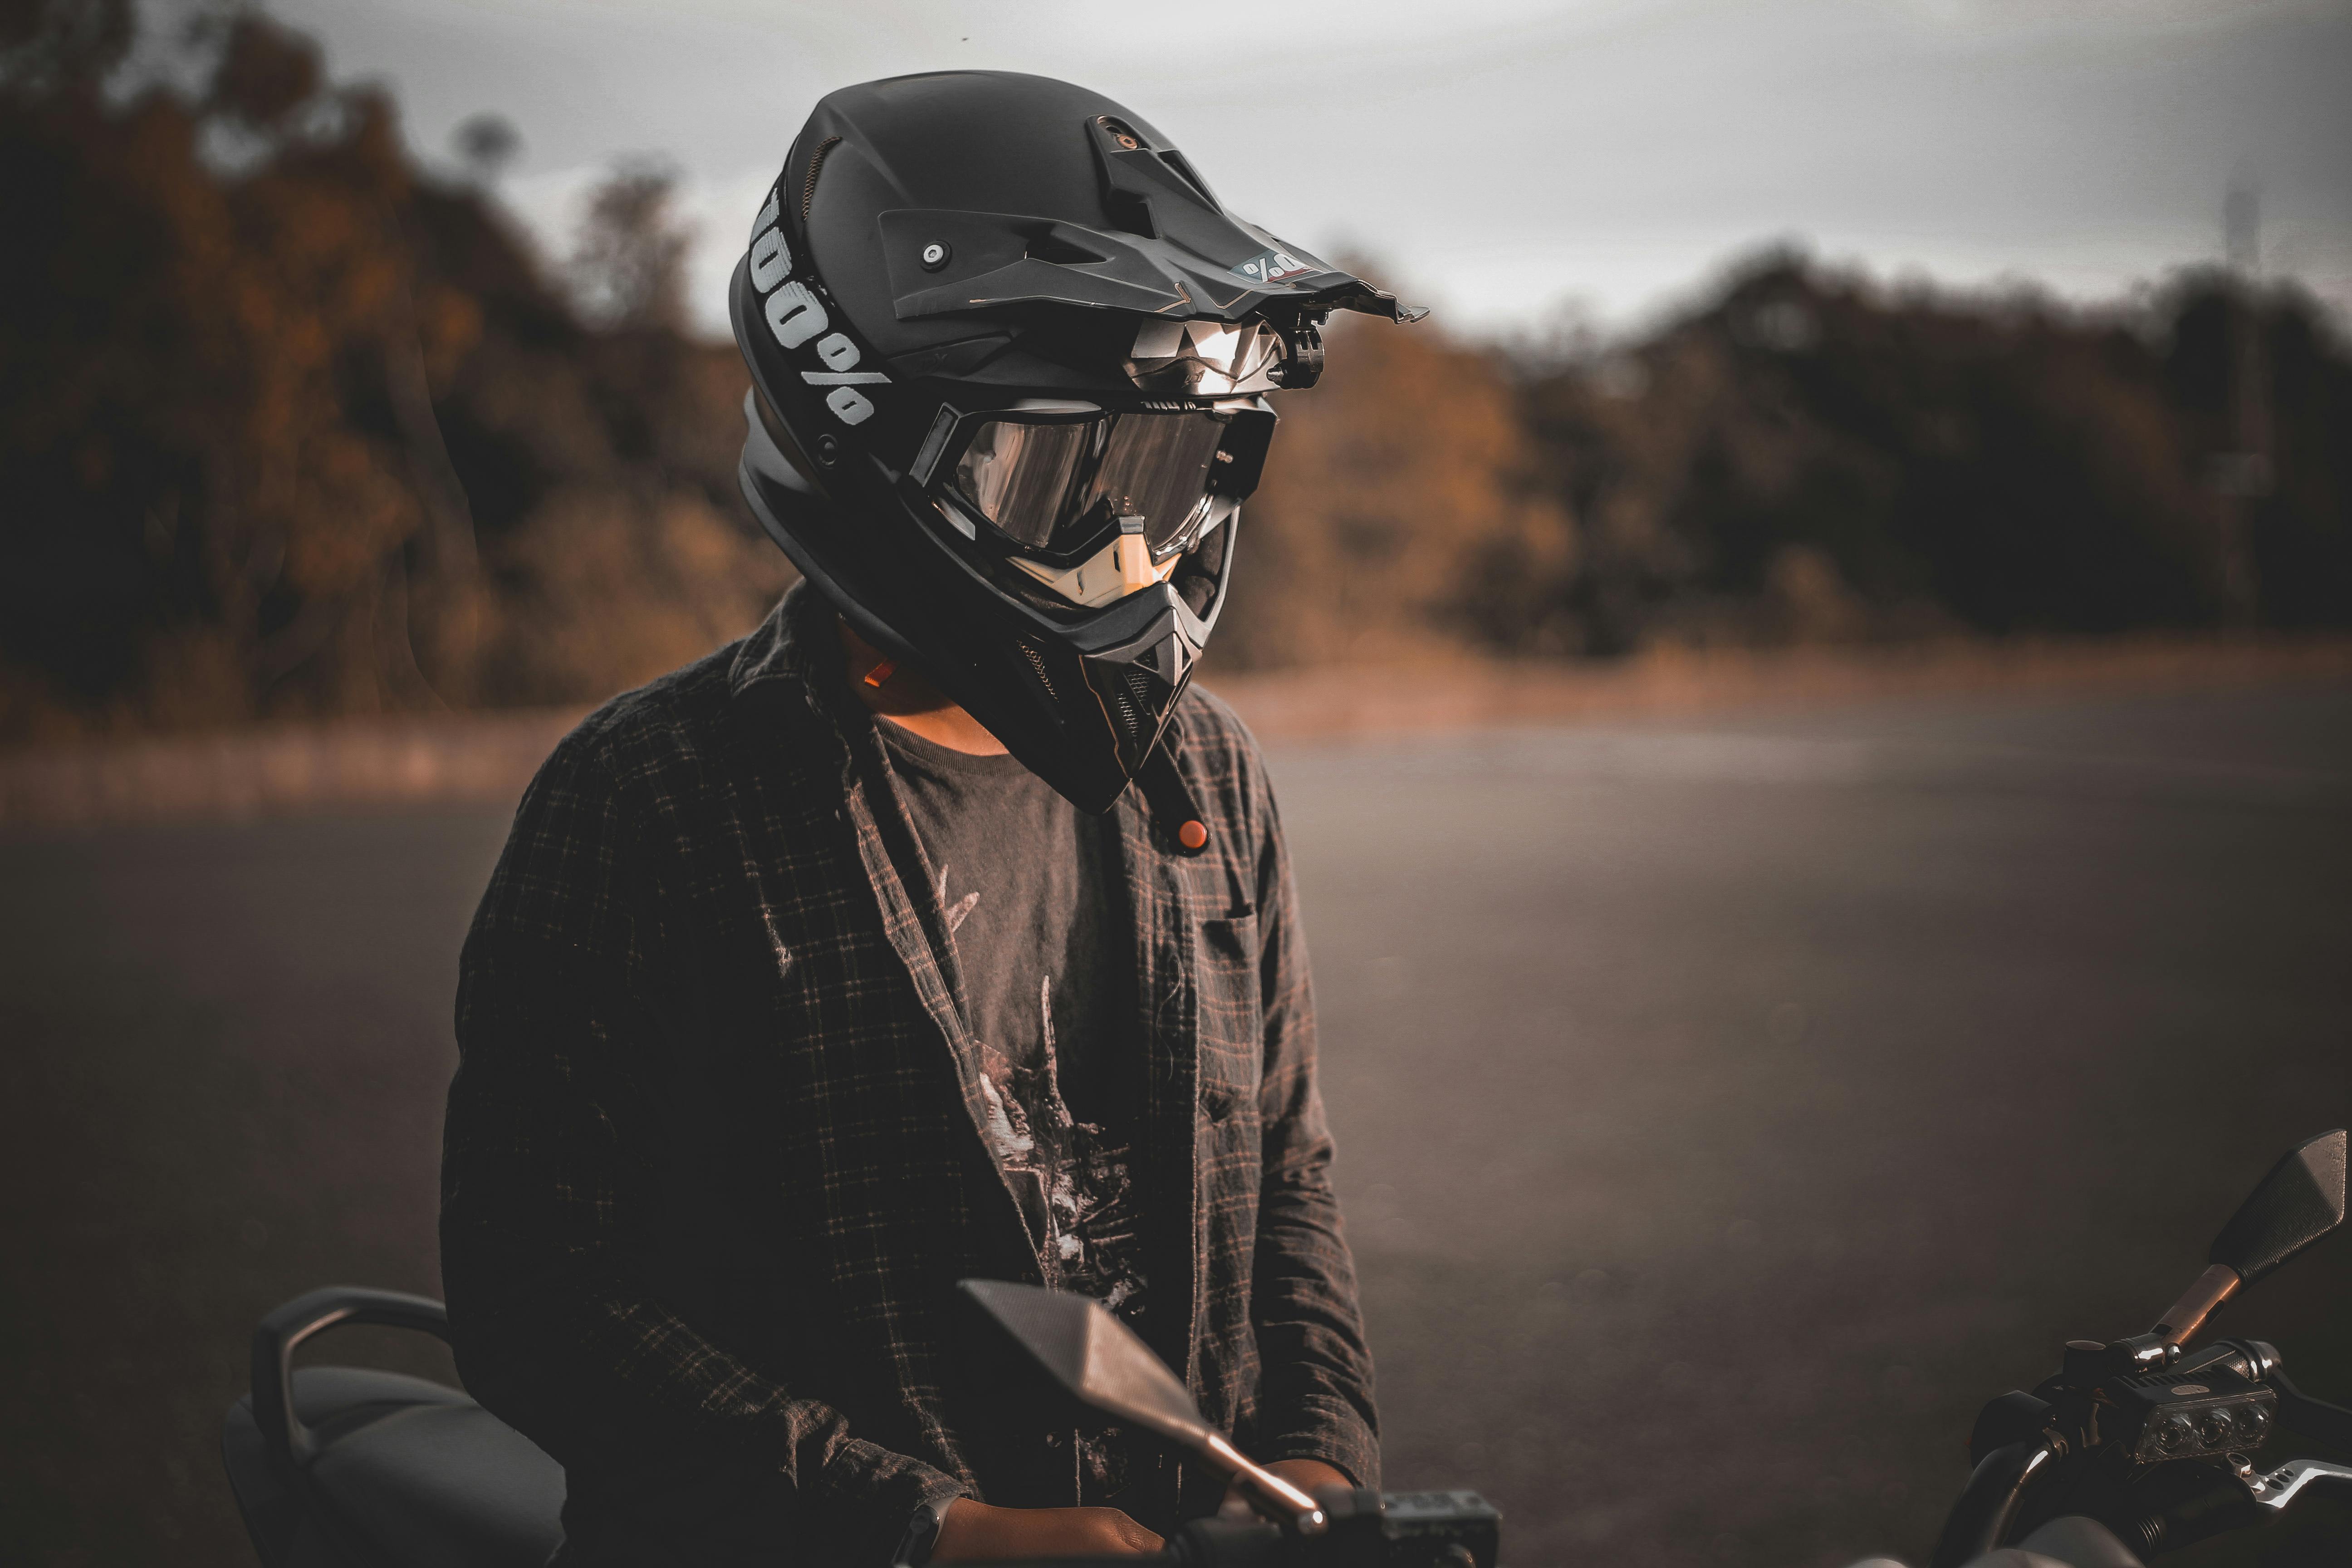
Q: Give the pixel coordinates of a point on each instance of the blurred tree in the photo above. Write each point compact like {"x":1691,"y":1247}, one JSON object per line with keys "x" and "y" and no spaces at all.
{"x":2004,"y":465}
{"x":487,"y":144}
{"x":246,"y":406}
{"x":266,"y":73}
{"x":1399,"y":514}
{"x":47,"y":46}
{"x":628,"y":268}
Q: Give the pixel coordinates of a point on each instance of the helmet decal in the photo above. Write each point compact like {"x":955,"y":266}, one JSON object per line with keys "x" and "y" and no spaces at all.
{"x":1274,"y":267}
{"x":796,"y":312}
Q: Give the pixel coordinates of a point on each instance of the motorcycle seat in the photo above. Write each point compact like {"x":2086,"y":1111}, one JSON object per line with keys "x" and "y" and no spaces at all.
{"x":406,"y":1471}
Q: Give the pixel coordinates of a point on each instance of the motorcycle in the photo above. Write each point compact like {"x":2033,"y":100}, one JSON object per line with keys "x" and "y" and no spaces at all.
{"x":2135,"y":1446}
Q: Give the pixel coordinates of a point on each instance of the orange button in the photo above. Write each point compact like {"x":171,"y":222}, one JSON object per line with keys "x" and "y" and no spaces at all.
{"x":1192,"y":835}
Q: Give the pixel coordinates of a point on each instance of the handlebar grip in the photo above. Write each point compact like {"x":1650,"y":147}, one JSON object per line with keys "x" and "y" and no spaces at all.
{"x":1989,"y":1506}
{"x":276,"y":1337}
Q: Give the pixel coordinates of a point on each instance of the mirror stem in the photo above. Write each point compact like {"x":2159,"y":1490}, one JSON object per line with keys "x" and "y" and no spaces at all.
{"x":2185,"y":1317}
{"x":1273,"y":1497}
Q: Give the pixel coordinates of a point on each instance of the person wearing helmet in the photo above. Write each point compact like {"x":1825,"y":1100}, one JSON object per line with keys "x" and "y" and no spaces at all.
{"x":938,"y":930}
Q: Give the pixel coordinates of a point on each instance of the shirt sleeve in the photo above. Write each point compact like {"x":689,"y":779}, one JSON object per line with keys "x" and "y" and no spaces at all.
{"x":547,"y":1190}
{"x":1315,"y":1395}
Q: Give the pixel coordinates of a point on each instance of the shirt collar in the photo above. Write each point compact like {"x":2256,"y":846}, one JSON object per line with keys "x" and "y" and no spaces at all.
{"x":795,"y":643}
{"x":791,"y":673}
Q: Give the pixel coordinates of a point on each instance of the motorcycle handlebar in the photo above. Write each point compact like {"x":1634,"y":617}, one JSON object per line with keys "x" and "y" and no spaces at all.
{"x":1989,"y":1506}
{"x":277,"y":1336}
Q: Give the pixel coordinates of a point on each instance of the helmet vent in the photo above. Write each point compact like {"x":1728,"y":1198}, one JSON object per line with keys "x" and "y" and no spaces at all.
{"x":1037,"y":663}
{"x":1176,"y":160}
{"x":1126,"y":699}
{"x":816,"y":166}
{"x":1051,"y":247}
{"x":1132,"y":695}
{"x":1131,"y":213}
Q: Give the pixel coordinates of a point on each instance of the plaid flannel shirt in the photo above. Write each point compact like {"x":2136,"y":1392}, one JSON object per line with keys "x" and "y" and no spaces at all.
{"x":714,"y":1161}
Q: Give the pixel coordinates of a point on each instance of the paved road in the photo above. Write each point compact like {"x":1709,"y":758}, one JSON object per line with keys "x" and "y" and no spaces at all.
{"x":1726,"y":1109}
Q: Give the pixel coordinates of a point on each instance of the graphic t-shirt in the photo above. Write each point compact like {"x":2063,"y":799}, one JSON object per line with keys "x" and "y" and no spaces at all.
{"x":1047,"y":962}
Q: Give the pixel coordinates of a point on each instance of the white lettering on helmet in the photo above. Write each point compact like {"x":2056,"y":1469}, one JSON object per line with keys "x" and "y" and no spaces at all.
{"x":836,"y":351}
{"x":771,"y":260}
{"x":794,"y":316}
{"x":1276,"y":266}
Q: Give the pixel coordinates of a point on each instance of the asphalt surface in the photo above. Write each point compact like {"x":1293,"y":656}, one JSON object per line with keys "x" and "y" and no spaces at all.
{"x":1727,"y":1109}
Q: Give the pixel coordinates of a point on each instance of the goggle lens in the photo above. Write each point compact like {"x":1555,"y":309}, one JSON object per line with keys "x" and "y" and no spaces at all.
{"x":1055,"y":485}
{"x":1018,"y":475}
{"x":1156,"y":466}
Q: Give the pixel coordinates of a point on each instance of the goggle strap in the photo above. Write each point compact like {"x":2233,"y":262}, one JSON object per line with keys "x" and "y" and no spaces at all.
{"x":927,"y":457}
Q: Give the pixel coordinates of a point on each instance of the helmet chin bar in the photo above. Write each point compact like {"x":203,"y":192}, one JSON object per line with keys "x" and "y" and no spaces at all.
{"x":1103,"y":690}
{"x":1139,"y":680}
{"x":1168,"y":646}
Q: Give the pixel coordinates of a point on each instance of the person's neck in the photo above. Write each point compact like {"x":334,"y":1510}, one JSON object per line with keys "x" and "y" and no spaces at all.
{"x":902,"y":695}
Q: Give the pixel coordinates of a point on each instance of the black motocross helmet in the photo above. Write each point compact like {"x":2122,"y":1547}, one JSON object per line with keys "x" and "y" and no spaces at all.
{"x":1008,"y":356}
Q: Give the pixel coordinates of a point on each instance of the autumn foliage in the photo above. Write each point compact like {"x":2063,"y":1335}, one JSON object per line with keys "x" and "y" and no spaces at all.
{"x":290,"y":427}
{"x":287,"y":428}
{"x":1813,"y":458}
{"x":1808,"y":457}
{"x":1403,"y":508}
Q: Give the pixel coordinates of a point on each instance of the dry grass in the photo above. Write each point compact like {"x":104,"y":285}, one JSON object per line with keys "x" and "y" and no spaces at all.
{"x":1328,"y":702}
{"x":487,"y":758}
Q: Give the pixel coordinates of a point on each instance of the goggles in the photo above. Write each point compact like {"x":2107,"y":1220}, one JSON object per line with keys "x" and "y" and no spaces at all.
{"x":1063,"y":482}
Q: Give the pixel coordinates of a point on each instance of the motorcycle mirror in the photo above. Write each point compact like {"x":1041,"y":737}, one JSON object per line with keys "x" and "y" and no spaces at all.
{"x":2300,"y":1201}
{"x":1100,"y":1362}
{"x":1094,"y":1356}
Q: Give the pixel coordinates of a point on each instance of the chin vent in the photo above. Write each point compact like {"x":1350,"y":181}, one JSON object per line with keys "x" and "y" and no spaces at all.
{"x":1037,"y":663}
{"x":1128,"y":704}
{"x":1134,"y":700}
{"x":1138,"y":695}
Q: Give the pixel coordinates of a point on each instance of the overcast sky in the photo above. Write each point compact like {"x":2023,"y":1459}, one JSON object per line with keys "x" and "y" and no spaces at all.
{"x":1501,"y":159}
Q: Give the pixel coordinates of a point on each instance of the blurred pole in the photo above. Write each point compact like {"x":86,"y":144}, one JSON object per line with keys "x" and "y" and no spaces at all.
{"x":2241,"y":478}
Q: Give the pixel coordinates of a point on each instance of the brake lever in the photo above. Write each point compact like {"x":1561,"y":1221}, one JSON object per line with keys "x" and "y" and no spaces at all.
{"x":2278,"y":1488}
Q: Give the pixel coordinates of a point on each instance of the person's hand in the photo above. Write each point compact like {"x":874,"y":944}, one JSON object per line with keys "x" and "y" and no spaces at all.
{"x":974,"y":1531}
{"x":1307,"y":1475}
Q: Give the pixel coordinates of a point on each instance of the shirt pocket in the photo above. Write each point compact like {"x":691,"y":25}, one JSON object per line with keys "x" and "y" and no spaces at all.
{"x":1231,"y":1031}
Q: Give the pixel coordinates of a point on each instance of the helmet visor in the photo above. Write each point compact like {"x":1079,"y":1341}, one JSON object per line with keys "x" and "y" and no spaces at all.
{"x":1055,"y":484}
